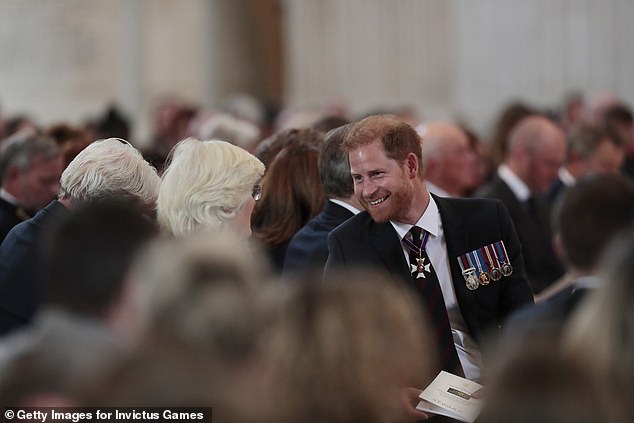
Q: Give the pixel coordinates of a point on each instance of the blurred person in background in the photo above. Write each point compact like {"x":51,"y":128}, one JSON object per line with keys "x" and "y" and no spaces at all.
{"x":602,"y":331}
{"x":619,"y":119}
{"x":209,"y":186}
{"x":508,"y":118}
{"x":535,"y":152}
{"x":345,"y":348}
{"x":172,"y":120}
{"x":106,"y":169}
{"x":225,"y":127}
{"x":268,"y":148}
{"x":583,"y":228}
{"x":70,"y":139}
{"x":534,"y":381}
{"x":30,"y":167}
{"x":87,"y":314}
{"x":330,"y":122}
{"x":18,"y":123}
{"x":292,"y":194}
{"x":590,"y":150}
{"x":204,"y":329}
{"x":449,"y":162}
{"x":308,"y":249}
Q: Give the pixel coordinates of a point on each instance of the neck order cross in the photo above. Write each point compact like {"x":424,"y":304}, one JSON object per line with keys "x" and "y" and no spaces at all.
{"x":416,"y":246}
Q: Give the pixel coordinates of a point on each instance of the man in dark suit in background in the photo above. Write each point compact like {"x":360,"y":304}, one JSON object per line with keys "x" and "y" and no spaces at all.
{"x":30,"y":166}
{"x":308,"y":250}
{"x":590,"y":150}
{"x":535,"y":152}
{"x":385,"y":157}
{"x":591,"y":214}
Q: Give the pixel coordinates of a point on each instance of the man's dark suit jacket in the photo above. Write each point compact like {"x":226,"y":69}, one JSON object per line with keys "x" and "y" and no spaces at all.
{"x":542,"y":265}
{"x":10,"y":215}
{"x":548,"y":317}
{"x":555,"y":191}
{"x":19,"y":294}
{"x":308,"y":249}
{"x":468,"y":224}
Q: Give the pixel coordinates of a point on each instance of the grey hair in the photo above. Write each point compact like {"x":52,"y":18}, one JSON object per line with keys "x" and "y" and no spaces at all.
{"x":109,"y":168}
{"x":19,"y":149}
{"x":205,"y":184}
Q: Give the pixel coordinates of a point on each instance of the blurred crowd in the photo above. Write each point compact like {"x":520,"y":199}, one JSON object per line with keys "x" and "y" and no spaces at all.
{"x":191,"y":271}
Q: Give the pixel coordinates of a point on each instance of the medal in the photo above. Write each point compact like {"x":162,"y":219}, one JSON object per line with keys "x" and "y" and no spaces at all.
{"x":471,"y":279}
{"x":495,"y":273}
{"x":503,"y":258}
{"x":421,"y":267}
{"x":468,"y":272}
{"x":507,"y":269}
{"x":482,"y":268}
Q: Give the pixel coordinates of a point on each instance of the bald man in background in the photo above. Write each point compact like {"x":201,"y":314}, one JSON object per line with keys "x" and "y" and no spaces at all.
{"x":535,"y":151}
{"x":448,"y":159}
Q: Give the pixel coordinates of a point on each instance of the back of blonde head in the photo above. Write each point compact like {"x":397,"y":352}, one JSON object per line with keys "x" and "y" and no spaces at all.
{"x":205,"y":185}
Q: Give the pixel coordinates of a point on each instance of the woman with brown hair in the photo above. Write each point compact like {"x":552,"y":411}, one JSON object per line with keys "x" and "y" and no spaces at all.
{"x":292,"y":194}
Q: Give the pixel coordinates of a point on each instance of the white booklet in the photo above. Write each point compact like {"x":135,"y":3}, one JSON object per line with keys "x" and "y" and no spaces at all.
{"x":450,"y":395}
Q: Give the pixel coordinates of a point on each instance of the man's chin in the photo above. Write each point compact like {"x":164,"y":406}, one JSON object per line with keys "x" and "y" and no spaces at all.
{"x":378,"y":217}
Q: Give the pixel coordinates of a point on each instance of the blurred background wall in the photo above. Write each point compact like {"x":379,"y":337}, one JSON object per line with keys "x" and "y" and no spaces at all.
{"x":69,"y":59}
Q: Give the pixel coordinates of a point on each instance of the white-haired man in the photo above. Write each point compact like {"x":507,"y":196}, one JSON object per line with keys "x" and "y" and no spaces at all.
{"x":106,"y":169}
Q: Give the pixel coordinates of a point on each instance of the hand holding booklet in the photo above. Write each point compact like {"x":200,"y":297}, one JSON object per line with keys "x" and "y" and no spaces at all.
{"x":450,"y":395}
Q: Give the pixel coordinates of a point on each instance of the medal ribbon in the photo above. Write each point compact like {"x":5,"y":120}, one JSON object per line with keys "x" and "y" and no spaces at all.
{"x":485,"y":264}
{"x":489,"y":257}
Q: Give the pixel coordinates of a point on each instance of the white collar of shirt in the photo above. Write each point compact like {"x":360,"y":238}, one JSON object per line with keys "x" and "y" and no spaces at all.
{"x":514,"y":182}
{"x":8,"y":197}
{"x":587,"y":282}
{"x":435,"y":189}
{"x":345,"y":205}
{"x":429,"y":221}
{"x":566,"y":177}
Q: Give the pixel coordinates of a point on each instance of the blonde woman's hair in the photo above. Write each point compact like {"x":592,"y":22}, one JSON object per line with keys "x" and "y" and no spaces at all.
{"x":205,"y":184}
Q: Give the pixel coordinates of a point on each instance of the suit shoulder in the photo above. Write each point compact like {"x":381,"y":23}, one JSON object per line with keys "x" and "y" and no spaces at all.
{"x":470,"y":205}
{"x":492,"y":188}
{"x":357,"y":223}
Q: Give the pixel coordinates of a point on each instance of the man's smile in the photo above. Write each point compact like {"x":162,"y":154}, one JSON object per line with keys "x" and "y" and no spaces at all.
{"x":378,"y":200}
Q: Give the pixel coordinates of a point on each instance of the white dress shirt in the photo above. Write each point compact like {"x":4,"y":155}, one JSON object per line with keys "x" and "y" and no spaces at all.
{"x":519,"y":188}
{"x":467,"y":349}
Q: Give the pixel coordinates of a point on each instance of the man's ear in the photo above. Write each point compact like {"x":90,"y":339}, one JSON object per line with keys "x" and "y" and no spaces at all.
{"x":11,"y":180}
{"x":411,"y":165}
{"x":12,"y":173}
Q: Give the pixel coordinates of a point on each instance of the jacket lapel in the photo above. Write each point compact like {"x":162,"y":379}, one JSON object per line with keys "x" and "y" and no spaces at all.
{"x":387,"y":243}
{"x":457,"y":240}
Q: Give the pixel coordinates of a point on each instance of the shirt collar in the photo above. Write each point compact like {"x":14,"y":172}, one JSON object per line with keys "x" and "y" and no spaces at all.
{"x":566,"y":177}
{"x":4,"y":194}
{"x":519,"y":188}
{"x":346,"y":206}
{"x":429,"y":221}
{"x":435,"y":189}
{"x":587,"y":282}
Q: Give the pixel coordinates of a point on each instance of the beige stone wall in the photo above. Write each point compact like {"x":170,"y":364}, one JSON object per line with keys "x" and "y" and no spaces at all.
{"x":66,"y":59}
{"x":453,"y":58}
